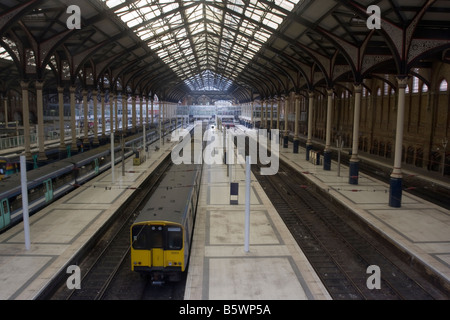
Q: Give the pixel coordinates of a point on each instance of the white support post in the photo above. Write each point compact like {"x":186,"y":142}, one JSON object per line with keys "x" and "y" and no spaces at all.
{"x":26,"y":222}
{"x":112,"y":154}
{"x":247,"y":203}
{"x":144,"y":140}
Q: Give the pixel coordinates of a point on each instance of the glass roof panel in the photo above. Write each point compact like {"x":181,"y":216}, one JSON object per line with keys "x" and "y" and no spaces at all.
{"x":196,"y":38}
{"x":4,"y":54}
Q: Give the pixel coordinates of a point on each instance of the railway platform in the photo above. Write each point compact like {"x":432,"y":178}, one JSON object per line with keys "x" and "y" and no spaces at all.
{"x":59,"y":231}
{"x":420,"y":229}
{"x":275,"y":268}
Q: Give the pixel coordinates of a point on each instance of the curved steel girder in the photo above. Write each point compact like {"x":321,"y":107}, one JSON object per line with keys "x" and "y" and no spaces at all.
{"x":301,"y":69}
{"x":133,"y":79}
{"x":142,"y":75}
{"x":176,"y":94}
{"x":77,"y":61}
{"x":63,"y":36}
{"x":124,"y":53}
{"x":147,"y":84}
{"x":134,"y":64}
{"x":130,"y":73}
{"x":262,"y":81}
{"x":294,"y":65}
{"x":151,"y":84}
{"x":16,"y":13}
{"x":384,"y":80}
{"x":267,"y":74}
{"x":332,"y":38}
{"x":47,"y":47}
{"x":16,"y":61}
{"x":246,"y":94}
{"x":113,"y":39}
{"x":114,"y":58}
{"x":255,"y":80}
{"x":437,"y":49}
{"x":258,"y":85}
{"x":397,"y":53}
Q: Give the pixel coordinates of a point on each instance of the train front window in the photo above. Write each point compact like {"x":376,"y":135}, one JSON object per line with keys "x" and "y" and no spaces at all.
{"x":174,"y":238}
{"x":140,"y":237}
{"x":146,"y":237}
{"x":156,"y":237}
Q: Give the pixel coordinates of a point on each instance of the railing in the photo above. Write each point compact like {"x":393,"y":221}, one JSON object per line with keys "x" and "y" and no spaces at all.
{"x":19,"y":141}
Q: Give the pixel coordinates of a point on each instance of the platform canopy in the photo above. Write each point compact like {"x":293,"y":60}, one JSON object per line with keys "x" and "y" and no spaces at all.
{"x":243,"y":48}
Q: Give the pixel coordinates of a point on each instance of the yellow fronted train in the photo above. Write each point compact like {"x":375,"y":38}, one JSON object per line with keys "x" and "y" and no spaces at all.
{"x":161,"y":235}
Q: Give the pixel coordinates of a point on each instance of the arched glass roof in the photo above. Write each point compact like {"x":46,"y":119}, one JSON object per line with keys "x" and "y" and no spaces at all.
{"x":207,"y":43}
{"x":224,"y":48}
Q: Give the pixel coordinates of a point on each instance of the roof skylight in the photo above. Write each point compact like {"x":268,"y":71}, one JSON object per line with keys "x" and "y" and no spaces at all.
{"x":199,"y":38}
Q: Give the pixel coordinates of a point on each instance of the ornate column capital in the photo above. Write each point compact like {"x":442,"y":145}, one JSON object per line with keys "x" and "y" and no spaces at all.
{"x":357,"y":87}
{"x":24,"y":84}
{"x":39,"y":84}
{"x":402,"y":82}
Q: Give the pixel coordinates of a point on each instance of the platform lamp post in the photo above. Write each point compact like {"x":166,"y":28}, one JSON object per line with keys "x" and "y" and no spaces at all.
{"x":327,"y":151}
{"x":122,"y":142}
{"x":247,"y":203}
{"x":112,"y":156}
{"x":444,"y":145}
{"x":26,"y":223}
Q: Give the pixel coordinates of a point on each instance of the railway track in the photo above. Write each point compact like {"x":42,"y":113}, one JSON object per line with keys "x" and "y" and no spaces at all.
{"x":109,"y":257}
{"x":128,"y":285}
{"x":339,"y":246}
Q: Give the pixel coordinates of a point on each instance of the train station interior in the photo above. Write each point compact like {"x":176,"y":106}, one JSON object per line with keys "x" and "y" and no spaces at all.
{"x":355,"y":93}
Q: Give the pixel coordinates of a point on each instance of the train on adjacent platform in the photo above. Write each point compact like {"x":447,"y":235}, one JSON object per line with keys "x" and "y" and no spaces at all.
{"x":49,"y":182}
